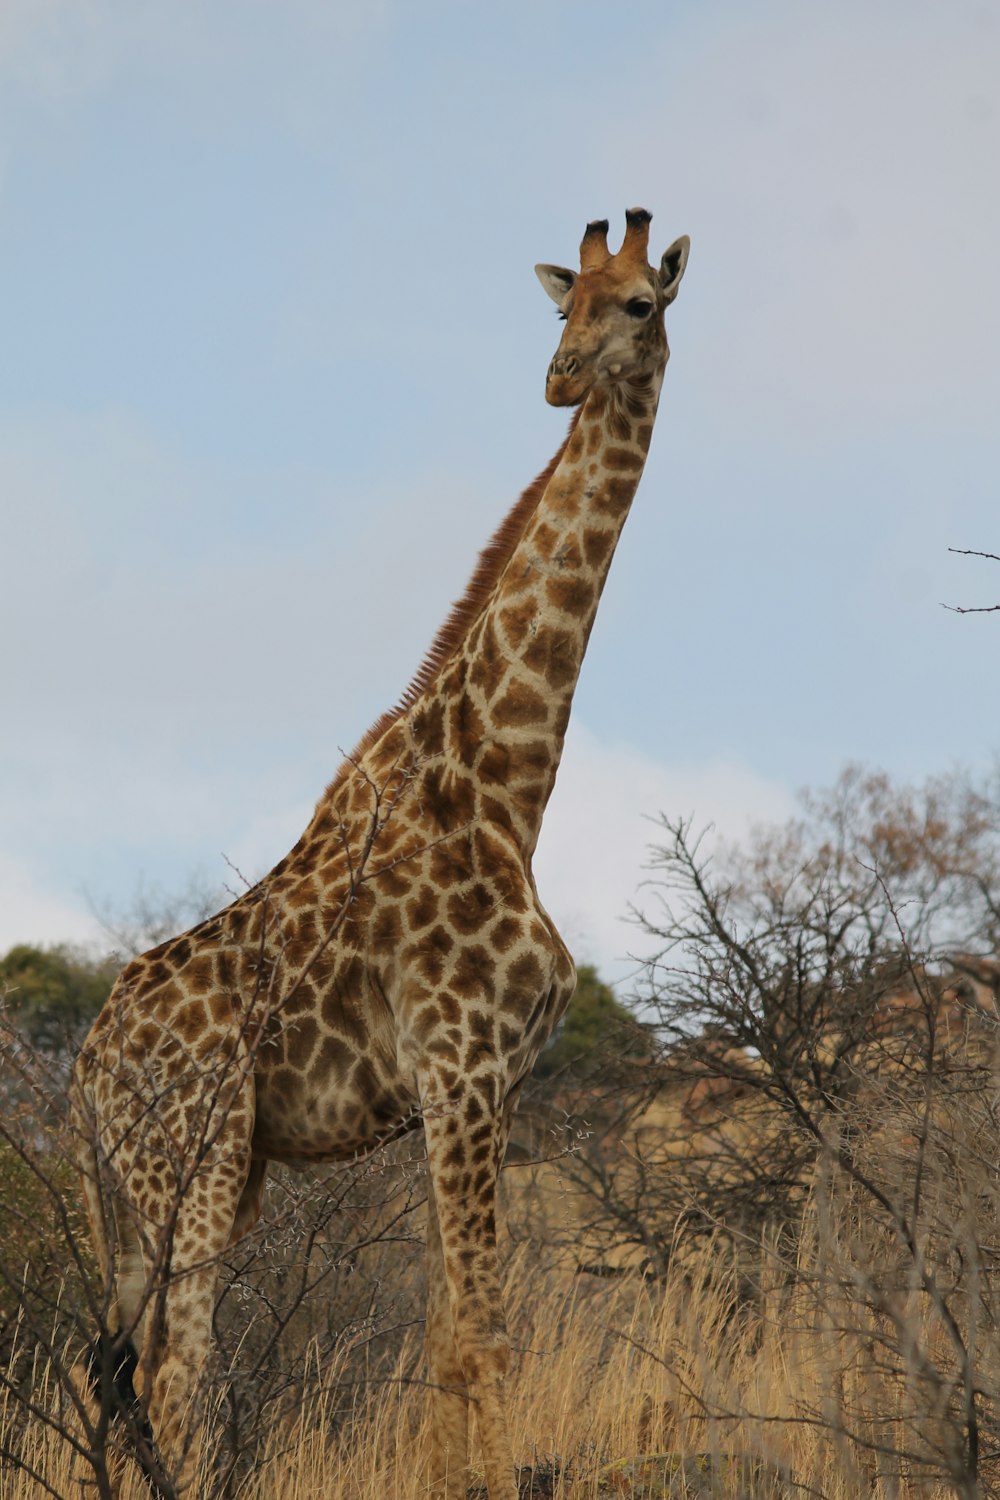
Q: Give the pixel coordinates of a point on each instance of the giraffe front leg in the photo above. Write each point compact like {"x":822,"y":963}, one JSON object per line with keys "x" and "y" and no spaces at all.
{"x":449,"y":1396}
{"x":463,"y":1145}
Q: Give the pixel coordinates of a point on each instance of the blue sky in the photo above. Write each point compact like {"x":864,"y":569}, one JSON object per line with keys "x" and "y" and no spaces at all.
{"x":273,"y":369}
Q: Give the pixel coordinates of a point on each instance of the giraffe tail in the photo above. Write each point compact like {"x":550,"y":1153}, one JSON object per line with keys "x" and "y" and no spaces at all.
{"x":111,"y":1359}
{"x":83,"y":1130}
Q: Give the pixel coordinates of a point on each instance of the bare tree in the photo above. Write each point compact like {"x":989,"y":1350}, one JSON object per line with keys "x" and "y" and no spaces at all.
{"x":823,"y":1099}
{"x":974,"y":609}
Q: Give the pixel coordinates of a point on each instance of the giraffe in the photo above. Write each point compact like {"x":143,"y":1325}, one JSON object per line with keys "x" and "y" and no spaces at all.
{"x":396,"y":969}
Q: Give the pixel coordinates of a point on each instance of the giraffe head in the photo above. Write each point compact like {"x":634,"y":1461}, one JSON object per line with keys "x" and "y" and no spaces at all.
{"x":613,"y":309}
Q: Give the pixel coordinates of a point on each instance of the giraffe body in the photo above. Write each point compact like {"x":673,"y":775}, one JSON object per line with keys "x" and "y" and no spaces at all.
{"x":397,"y":968}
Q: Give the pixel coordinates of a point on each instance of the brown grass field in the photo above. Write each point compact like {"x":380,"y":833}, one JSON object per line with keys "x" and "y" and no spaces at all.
{"x":607,"y":1371}
{"x":812,"y":1362}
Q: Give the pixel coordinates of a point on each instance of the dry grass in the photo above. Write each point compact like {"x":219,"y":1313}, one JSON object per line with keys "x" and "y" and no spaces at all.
{"x":605,"y":1371}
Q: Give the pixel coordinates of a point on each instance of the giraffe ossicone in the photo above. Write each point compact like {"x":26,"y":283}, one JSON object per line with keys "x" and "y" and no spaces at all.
{"x":396,"y":969}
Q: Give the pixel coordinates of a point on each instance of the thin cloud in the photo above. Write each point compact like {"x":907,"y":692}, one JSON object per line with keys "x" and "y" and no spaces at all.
{"x":593,"y":855}
{"x":836,"y":169}
{"x":31,"y":912}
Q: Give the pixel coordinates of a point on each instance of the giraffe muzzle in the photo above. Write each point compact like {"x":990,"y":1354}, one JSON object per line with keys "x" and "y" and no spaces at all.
{"x":565,"y":381}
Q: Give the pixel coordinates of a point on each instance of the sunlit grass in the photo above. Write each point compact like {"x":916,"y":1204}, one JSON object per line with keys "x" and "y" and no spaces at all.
{"x":604,"y":1371}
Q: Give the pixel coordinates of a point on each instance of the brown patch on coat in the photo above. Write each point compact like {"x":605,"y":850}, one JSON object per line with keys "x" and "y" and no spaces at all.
{"x":521,"y":706}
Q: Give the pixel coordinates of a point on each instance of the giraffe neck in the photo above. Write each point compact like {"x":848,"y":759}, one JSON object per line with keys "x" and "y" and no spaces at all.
{"x":505,"y":695}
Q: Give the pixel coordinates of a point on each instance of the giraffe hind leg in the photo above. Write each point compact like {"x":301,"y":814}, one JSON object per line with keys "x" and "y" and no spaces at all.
{"x":206,"y":1216}
{"x":181,"y":1179}
{"x":109,"y":1364}
{"x":112,"y":1361}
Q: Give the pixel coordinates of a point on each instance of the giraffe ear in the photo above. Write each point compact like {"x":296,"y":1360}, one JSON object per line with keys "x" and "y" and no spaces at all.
{"x":672,"y":268}
{"x":557,"y":281}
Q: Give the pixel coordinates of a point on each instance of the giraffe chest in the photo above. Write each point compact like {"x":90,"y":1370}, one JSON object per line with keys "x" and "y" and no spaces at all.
{"x":330,"y":1120}
{"x":328,"y":1086}
{"x":343,"y":1078}
{"x":446,"y":966}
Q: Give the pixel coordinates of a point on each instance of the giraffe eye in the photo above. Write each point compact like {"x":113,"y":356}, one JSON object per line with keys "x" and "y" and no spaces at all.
{"x":639,"y":308}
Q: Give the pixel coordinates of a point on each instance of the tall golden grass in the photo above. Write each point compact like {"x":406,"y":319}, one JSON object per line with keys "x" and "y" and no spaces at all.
{"x":604,"y":1371}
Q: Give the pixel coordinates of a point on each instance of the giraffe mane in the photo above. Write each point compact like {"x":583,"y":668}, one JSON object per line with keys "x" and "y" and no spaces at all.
{"x":490,"y":565}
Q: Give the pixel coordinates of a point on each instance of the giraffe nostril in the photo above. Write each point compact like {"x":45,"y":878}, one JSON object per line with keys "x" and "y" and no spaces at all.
{"x":566,"y":364}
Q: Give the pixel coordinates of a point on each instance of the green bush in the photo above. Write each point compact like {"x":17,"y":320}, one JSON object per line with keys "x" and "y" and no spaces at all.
{"x":53,"y":994}
{"x":595,"y":1025}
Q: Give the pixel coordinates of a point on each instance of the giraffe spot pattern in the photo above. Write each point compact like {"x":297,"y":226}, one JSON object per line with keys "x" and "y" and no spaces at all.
{"x":522,"y":706}
{"x":437,"y":978}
